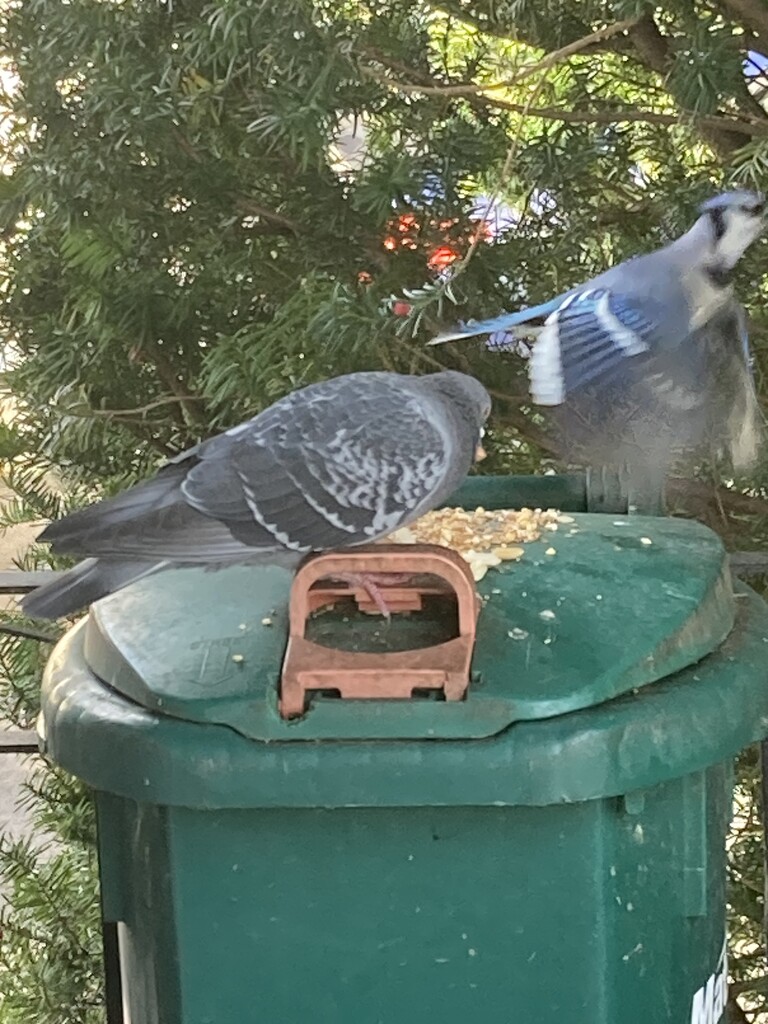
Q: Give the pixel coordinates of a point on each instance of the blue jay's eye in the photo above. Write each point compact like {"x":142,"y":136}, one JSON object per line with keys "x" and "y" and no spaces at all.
{"x":754,"y":209}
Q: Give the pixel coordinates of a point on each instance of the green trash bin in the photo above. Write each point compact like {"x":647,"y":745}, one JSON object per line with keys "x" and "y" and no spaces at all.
{"x":548,"y":851}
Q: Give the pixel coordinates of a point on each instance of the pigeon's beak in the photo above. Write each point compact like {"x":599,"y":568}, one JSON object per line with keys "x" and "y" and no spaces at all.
{"x":480,"y":453}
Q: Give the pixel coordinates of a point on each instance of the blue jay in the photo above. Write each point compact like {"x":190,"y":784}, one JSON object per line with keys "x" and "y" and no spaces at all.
{"x":651,"y":355}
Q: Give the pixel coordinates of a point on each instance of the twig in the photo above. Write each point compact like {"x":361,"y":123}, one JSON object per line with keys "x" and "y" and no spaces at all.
{"x":652,"y":50}
{"x":546,"y":62}
{"x":175,"y":383}
{"x":142,"y":409}
{"x":251,"y":209}
{"x":511,"y":154}
{"x":749,"y":127}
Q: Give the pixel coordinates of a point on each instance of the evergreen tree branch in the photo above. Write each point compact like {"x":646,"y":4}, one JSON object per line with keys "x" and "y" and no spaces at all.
{"x":752,"y":13}
{"x":654,"y":50}
{"x":745,"y":125}
{"x":527,"y":71}
{"x":140,"y":431}
{"x":172,"y":378}
{"x":751,"y":126}
{"x":245,"y":204}
{"x":651,"y":45}
{"x":11,"y":855}
{"x":503,"y":30}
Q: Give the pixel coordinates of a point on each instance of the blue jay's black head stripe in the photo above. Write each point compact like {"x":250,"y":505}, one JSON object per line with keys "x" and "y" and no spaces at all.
{"x":717,"y":217}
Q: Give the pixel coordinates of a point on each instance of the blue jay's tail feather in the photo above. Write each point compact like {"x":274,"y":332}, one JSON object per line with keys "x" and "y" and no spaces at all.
{"x":87,"y":582}
{"x":746,"y":429}
{"x":506,"y":322}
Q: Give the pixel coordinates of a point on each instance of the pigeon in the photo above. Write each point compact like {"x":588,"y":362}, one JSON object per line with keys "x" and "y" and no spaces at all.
{"x":336,"y":464}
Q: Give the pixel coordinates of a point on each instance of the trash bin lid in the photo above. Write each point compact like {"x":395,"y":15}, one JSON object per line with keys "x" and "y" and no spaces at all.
{"x":599,"y":608}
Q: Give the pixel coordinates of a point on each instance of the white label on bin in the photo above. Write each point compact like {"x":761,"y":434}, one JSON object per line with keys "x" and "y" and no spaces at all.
{"x":709,"y":1002}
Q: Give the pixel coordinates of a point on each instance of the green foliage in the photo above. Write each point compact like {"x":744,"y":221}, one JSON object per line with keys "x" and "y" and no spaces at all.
{"x":50,"y":955}
{"x":181,"y":244}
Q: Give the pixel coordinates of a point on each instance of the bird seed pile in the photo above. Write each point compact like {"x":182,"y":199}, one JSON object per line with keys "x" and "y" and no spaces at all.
{"x":483,"y":539}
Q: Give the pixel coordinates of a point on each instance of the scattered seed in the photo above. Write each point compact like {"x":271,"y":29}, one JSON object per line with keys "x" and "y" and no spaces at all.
{"x":547,"y":615}
{"x":646,"y":541}
{"x":508,"y":554}
{"x":237,"y":658}
{"x":517,"y":634}
{"x":479,"y":532}
{"x":266,"y":621}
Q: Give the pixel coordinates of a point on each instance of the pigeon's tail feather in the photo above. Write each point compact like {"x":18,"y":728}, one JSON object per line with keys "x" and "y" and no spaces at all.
{"x":87,"y":582}
{"x":152,"y":495}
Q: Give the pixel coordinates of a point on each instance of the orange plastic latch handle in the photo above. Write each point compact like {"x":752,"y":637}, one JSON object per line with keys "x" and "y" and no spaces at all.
{"x":309,"y":666}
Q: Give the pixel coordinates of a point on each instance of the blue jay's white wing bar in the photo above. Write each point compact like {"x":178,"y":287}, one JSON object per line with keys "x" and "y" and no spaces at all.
{"x":582,"y":340}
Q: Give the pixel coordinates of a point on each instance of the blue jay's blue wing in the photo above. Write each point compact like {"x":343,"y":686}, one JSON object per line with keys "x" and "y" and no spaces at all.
{"x":589,"y":335}
{"x":666,"y":404}
{"x":504,"y":323}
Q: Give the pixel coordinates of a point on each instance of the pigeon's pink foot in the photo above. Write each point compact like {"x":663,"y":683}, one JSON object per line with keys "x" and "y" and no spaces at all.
{"x":371,"y":582}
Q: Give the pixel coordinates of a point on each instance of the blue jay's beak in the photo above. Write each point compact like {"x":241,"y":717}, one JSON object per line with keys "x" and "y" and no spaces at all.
{"x":480,"y":453}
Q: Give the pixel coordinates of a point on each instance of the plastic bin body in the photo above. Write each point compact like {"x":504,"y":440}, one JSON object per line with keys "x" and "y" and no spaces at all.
{"x":577,"y":914}
{"x":551,"y":851}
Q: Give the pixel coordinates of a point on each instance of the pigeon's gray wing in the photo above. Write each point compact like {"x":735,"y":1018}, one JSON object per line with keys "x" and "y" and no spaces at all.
{"x":334,"y":466}
{"x":151,"y":520}
{"x":328,"y":466}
